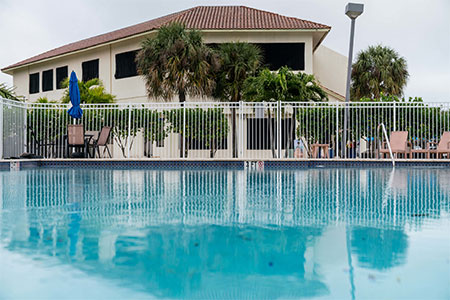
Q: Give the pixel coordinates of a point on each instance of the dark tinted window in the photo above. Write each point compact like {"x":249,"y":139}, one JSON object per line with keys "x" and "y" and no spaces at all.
{"x":47,"y":80}
{"x":61,"y":74}
{"x":258,"y":133}
{"x":34,"y":83}
{"x":90,"y":69}
{"x":126,"y":65}
{"x":277,"y":55}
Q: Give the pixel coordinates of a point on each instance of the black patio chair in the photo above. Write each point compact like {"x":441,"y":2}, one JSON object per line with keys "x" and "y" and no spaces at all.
{"x":102,"y":141}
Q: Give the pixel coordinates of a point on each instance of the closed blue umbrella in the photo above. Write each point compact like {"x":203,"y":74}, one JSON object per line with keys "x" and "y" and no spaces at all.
{"x":74,"y":93}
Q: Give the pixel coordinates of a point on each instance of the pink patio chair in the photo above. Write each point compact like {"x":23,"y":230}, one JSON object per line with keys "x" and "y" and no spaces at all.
{"x":75,"y":137}
{"x":443,"y":147}
{"x":399,"y":144}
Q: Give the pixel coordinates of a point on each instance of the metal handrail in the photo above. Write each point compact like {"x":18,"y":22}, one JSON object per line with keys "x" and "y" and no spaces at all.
{"x":387,"y":141}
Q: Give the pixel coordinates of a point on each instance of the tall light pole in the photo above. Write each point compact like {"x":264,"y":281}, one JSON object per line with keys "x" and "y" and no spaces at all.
{"x":352,"y":10}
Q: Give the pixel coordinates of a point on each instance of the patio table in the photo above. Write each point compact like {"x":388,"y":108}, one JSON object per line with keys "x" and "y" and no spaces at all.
{"x":87,"y":139}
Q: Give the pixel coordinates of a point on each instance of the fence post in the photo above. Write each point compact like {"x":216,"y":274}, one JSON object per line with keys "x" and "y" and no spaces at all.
{"x":395,"y":117}
{"x":129,"y":131}
{"x":25,"y":127}
{"x":183,"y":140}
{"x":241,"y":130}
{"x":279,"y":128}
{"x":336,"y":154}
{"x":1,"y":128}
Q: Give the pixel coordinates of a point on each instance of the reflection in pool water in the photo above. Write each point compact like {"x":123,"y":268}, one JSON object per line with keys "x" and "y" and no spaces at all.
{"x":326,"y":233}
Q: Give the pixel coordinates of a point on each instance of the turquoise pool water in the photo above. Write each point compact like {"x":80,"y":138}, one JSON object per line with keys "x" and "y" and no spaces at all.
{"x":225,"y":234}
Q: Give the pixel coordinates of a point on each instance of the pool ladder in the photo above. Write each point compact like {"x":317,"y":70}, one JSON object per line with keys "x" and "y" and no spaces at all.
{"x":387,"y":142}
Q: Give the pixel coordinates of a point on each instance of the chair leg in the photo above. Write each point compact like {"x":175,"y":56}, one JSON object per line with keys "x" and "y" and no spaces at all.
{"x":109,"y":153}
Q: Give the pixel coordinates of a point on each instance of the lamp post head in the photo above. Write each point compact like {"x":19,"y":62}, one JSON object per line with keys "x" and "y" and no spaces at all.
{"x":353,"y":10}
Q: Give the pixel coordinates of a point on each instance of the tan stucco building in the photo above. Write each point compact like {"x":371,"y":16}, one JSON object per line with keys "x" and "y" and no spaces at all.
{"x":284,"y":41}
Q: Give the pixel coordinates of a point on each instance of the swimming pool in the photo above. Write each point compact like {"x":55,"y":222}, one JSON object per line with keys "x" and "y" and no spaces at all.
{"x":225,"y":234}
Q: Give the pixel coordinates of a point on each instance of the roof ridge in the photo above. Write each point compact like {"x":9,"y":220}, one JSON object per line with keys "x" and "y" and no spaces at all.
{"x":258,"y":10}
{"x":280,"y":15}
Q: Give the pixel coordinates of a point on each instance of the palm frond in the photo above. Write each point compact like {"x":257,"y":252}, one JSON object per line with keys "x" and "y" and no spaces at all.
{"x":8,"y":93}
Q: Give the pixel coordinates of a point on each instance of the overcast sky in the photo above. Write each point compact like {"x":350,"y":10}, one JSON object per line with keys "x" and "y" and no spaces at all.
{"x":418,"y":29}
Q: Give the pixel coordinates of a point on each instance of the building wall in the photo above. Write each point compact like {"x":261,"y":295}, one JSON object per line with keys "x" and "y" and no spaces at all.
{"x":132,"y":89}
{"x":73,"y":61}
{"x":330,"y":68}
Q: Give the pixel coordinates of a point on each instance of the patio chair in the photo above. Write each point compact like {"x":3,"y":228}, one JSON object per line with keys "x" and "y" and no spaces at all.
{"x":41,"y":147}
{"x":75,"y":138}
{"x":399,"y":144}
{"x":443,"y":147}
{"x":102,"y":141}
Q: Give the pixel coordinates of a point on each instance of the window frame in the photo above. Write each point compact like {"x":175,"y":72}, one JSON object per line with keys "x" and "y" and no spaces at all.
{"x":124,"y":73}
{"x":85,"y":71}
{"x":34,"y":76}
{"x":60,"y":80}
{"x":295,"y":63}
{"x":47,"y":80}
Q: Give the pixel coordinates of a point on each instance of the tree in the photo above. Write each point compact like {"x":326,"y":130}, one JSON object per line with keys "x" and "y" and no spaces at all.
{"x":238,"y":62}
{"x":91,"y":92}
{"x":128,"y":122}
{"x":176,"y":62}
{"x":8,"y":93}
{"x":203,"y":128}
{"x":283,"y":85}
{"x":378,"y":70}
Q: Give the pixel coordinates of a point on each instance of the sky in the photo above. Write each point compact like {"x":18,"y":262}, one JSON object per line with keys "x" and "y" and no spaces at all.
{"x":418,"y":30}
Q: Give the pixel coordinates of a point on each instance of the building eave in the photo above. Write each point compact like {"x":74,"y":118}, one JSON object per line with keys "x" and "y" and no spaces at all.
{"x":333,"y":93}
{"x":10,"y":70}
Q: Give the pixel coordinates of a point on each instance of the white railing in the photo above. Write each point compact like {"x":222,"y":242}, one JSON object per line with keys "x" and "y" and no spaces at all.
{"x":13,"y":118}
{"x":244,"y":130}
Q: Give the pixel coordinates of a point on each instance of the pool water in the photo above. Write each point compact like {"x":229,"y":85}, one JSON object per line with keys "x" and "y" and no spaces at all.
{"x":344,"y":233}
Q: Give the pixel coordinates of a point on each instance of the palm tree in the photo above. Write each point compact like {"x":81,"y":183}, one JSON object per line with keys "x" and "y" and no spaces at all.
{"x":8,"y":93}
{"x":284,"y":85}
{"x":238,"y":62}
{"x":176,"y":62}
{"x":91,"y":92}
{"x":378,"y":70}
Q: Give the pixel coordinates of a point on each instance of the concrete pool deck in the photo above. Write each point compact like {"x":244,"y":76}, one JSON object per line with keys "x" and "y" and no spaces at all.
{"x":199,"y":163}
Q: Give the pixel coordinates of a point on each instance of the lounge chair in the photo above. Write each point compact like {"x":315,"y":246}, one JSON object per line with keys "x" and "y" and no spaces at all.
{"x":399,"y":144}
{"x":102,"y":141}
{"x":75,"y":138}
{"x":443,"y":147}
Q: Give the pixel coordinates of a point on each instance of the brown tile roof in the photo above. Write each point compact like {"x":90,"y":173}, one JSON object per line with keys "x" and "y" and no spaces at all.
{"x":200,"y":17}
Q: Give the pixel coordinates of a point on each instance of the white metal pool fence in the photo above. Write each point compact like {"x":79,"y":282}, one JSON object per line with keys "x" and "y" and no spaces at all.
{"x":245,"y":130}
